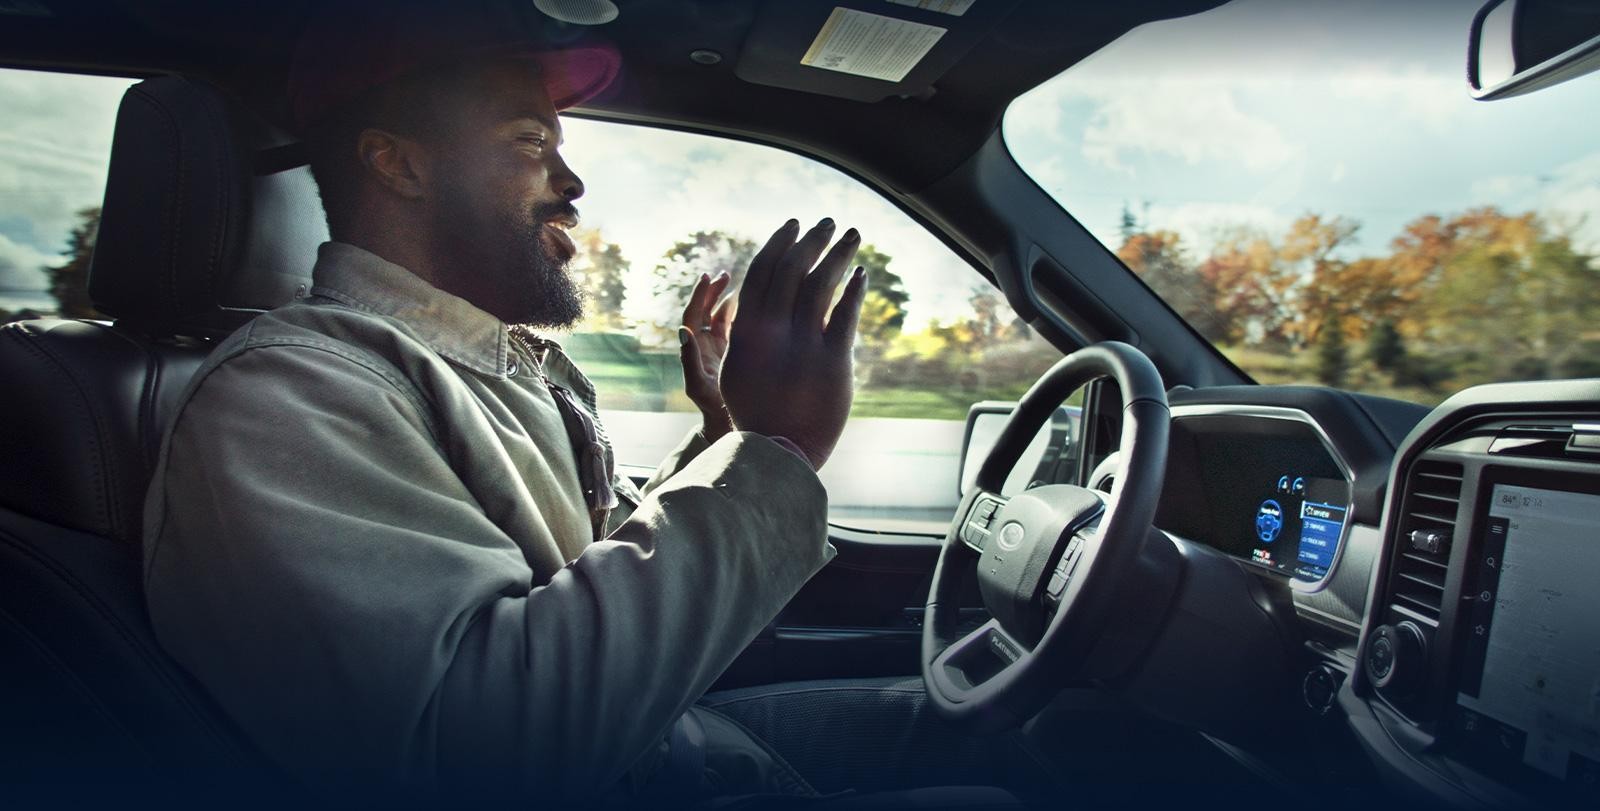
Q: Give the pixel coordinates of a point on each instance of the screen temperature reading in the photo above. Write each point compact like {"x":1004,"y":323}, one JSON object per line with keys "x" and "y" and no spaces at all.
{"x":1297,"y":526}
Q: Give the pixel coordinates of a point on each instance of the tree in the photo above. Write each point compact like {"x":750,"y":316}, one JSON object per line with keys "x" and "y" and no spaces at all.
{"x":1248,"y":304}
{"x":1333,"y":359}
{"x":1386,"y":348}
{"x":883,"y":308}
{"x":707,"y":252}
{"x":1312,"y":277}
{"x":1128,"y":225}
{"x":1502,"y":297}
{"x":69,"y":282}
{"x":1158,"y":257}
{"x":605,"y":272}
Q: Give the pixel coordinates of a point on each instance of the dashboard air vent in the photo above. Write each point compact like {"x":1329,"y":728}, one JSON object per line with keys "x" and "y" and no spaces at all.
{"x":1427,"y":528}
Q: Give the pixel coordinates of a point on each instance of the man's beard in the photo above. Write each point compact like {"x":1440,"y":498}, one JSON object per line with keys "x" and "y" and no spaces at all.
{"x":548,"y":296}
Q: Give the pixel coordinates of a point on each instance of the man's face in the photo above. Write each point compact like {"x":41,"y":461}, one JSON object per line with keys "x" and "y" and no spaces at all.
{"x":502,"y":196}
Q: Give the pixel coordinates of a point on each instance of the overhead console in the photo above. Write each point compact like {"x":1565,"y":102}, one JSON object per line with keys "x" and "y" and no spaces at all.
{"x":1480,"y":658}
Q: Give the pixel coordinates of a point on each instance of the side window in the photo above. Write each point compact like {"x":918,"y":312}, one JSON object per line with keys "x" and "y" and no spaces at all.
{"x":663,"y":207}
{"x":55,"y":142}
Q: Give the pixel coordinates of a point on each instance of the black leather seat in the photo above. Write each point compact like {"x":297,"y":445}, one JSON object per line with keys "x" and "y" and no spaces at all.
{"x":192,"y":243}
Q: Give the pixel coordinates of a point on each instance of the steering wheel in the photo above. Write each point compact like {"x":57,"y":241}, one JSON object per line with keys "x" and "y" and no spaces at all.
{"x":1049,"y":560}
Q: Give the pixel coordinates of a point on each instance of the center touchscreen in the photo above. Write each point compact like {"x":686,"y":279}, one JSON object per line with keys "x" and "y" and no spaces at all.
{"x":1529,"y":693}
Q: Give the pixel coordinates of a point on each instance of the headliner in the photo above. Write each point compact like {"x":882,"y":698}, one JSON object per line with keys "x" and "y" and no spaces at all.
{"x":997,"y":51}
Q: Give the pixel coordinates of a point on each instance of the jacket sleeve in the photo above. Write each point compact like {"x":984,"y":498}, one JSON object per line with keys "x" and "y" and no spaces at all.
{"x":312,"y":558}
{"x":687,"y":450}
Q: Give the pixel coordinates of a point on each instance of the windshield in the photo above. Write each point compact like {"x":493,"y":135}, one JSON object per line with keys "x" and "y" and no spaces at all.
{"x":1312,"y":188}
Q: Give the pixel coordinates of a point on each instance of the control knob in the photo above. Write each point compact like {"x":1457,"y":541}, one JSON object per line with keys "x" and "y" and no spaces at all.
{"x":1395,"y":657}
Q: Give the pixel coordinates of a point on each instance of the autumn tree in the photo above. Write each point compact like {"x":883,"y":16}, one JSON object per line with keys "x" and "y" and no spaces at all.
{"x":1508,"y":297}
{"x":1248,"y":304}
{"x":605,"y":272}
{"x":1158,"y":257}
{"x":1313,"y":278}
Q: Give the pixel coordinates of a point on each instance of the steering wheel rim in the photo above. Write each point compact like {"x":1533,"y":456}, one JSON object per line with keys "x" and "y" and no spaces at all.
{"x":1058,"y":540}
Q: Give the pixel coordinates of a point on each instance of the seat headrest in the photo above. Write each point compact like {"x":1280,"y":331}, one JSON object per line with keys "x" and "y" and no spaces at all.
{"x":193,"y":239}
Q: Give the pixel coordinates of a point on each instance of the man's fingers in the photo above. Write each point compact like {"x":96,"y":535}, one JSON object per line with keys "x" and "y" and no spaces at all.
{"x":696,"y":314}
{"x":695,"y":382}
{"x":722,"y":319}
{"x":754,"y":291}
{"x":791,"y":271}
{"x":841,"y":331}
{"x":817,"y":290}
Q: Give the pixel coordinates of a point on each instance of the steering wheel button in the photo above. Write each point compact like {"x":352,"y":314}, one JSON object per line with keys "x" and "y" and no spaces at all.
{"x":1058,"y":584}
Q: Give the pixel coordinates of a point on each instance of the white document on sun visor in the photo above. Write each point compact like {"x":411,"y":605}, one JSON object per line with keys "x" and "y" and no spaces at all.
{"x":870,"y":45}
{"x":954,"y":8}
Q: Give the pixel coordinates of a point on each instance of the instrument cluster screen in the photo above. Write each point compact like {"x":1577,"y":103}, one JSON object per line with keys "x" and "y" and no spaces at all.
{"x":1297,"y":525}
{"x":1265,"y":490}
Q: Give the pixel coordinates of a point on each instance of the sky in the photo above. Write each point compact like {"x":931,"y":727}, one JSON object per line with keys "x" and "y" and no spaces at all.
{"x":1262,"y":110}
{"x":1251,"y":114}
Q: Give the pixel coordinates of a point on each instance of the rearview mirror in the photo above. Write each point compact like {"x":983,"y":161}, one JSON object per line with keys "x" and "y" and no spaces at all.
{"x":1519,"y":46}
{"x":1051,"y":457}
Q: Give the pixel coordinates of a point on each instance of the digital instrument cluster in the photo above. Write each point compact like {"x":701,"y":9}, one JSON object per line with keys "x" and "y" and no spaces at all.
{"x":1263,"y":489}
{"x":1297,"y":525}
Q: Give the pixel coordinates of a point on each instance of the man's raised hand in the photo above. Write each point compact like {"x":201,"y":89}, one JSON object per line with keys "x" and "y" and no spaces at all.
{"x":788,"y":370}
{"x":704,"y":341}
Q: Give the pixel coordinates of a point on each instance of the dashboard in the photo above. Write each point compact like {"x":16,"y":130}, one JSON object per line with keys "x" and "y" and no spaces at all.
{"x":1441,"y":569}
{"x":1479,"y":677}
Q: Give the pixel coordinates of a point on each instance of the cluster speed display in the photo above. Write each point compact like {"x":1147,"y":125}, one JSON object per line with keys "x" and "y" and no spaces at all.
{"x":1297,"y":525}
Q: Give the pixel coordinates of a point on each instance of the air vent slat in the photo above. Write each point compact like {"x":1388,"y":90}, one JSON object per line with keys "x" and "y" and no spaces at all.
{"x":1430,"y":503}
{"x":1426,"y":561}
{"x":1437,"y":585}
{"x":1432,"y":497}
{"x":1434,"y":517}
{"x":1428,"y":608}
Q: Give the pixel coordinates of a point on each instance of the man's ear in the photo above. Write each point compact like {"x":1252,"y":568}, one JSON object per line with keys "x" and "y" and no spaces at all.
{"x":398,"y":164}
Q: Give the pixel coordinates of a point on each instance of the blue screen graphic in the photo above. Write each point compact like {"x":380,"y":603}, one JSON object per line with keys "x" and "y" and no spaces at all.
{"x":1269,"y":521}
{"x":1296,"y":529}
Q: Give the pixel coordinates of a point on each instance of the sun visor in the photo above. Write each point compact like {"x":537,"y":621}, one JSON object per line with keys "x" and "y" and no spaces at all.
{"x":864,"y":50}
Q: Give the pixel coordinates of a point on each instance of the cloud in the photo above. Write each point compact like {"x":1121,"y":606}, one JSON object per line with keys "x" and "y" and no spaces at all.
{"x":1568,"y":196}
{"x":1194,"y":122}
{"x":1408,"y":94}
{"x":55,"y":143}
{"x":22,"y":267}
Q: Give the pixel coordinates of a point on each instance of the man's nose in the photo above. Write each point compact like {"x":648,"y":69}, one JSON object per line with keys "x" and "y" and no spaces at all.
{"x":566,"y":182}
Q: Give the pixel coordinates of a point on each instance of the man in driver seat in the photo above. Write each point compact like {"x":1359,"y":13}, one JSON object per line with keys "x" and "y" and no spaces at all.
{"x":385,"y":531}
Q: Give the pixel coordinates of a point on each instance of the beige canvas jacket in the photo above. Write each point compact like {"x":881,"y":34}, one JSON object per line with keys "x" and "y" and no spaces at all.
{"x":365,"y":537}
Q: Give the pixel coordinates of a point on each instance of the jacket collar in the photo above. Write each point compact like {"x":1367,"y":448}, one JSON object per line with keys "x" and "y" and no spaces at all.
{"x":447,"y":324}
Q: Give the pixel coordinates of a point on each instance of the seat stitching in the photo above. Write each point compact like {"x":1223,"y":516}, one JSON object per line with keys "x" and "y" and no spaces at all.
{"x":23,"y":336}
{"x":159,"y":667}
{"x":71,"y":676}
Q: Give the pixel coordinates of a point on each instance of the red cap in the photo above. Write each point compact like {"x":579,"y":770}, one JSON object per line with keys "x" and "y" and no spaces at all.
{"x":352,"y":48}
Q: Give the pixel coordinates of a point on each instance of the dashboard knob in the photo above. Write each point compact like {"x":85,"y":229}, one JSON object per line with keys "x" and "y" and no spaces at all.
{"x":1395,"y":657}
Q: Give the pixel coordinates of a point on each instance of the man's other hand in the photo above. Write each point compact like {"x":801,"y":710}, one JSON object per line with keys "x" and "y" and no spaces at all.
{"x":788,"y":370}
{"x":704,"y":339}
